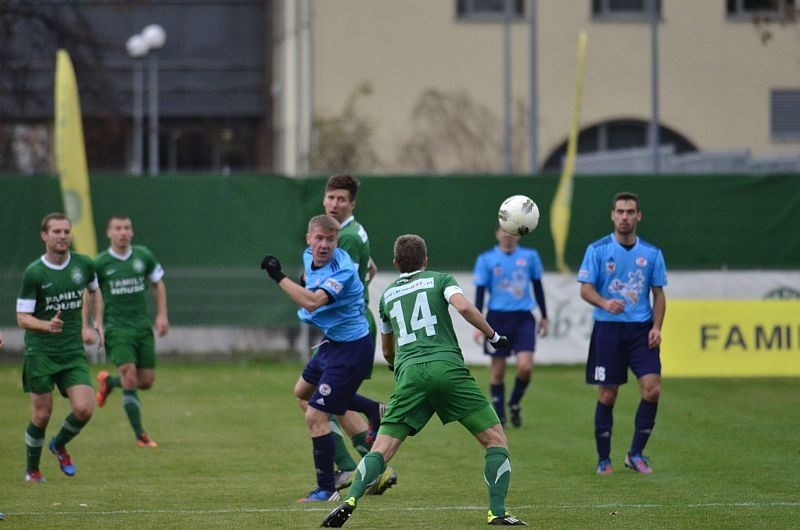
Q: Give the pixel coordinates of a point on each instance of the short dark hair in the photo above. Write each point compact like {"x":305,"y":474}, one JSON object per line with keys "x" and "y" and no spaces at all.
{"x":325,"y":223}
{"x":625,"y":196}
{"x":344,"y":182}
{"x":55,"y":216}
{"x":120,"y":216}
{"x":410,"y":252}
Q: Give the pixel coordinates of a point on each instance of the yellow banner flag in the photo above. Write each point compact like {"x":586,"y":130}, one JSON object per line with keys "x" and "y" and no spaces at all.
{"x":71,"y":157}
{"x":561,"y":210}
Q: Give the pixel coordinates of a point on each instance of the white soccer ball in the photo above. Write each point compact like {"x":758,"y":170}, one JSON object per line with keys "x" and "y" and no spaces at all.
{"x":518,"y":215}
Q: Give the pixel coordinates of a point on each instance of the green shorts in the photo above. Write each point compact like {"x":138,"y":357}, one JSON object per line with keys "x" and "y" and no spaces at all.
{"x":137,"y":346}
{"x":441,"y":387}
{"x":41,"y":373}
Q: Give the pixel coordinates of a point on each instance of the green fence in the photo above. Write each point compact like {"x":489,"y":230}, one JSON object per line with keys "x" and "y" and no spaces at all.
{"x":210,"y":232}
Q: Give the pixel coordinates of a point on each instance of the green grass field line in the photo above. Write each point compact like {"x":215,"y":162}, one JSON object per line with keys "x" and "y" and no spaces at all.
{"x":234,"y":453}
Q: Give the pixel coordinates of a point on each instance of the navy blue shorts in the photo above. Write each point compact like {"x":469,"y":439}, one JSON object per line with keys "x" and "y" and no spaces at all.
{"x":518,"y":326}
{"x":614,"y":347}
{"x":337,"y":370}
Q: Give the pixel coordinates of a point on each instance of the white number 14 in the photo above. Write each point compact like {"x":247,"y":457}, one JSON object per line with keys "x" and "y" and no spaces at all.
{"x":421,"y":317}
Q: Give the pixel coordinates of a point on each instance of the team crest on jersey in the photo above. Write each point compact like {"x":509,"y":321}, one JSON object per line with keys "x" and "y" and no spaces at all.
{"x":611,"y":266}
{"x":641,"y":261}
{"x":497,"y":271}
{"x":325,"y":389}
{"x":138,"y":265}
{"x":334,"y":285}
{"x":77,"y":276}
{"x":521,"y":262}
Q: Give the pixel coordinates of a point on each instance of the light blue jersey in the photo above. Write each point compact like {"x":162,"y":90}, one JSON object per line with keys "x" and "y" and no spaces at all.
{"x":507,"y":278}
{"x":342,"y":320}
{"x":625,"y":275}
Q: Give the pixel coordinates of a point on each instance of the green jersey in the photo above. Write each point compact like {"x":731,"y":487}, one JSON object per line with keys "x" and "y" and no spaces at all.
{"x":48,"y":289}
{"x":415,"y":307}
{"x":124,"y":280}
{"x":353,"y":239}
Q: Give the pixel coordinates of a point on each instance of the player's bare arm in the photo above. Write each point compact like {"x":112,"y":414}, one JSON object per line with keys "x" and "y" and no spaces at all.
{"x":471,"y":314}
{"x":29,"y":322}
{"x":308,"y":300}
{"x":659,"y":310}
{"x":92,"y":318}
{"x":612,"y":305}
{"x":162,"y":321}
{"x":388,"y":345}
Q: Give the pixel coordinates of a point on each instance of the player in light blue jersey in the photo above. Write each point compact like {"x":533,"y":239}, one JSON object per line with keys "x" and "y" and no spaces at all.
{"x":617,"y":276}
{"x":507,"y":272}
{"x":332,"y":300}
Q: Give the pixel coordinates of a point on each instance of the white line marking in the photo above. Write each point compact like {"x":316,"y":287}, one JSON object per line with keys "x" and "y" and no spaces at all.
{"x":515,"y":508}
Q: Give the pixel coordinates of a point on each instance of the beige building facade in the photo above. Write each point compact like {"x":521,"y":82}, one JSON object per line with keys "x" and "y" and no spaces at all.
{"x":723,"y":83}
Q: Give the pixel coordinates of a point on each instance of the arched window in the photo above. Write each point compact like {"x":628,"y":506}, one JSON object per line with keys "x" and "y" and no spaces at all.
{"x":617,"y":134}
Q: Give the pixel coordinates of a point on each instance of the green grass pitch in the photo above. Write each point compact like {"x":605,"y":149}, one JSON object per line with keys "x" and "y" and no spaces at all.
{"x":234,"y":453}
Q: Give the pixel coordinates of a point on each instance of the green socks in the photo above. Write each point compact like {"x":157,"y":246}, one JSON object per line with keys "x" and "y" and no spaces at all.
{"x":367,"y":472}
{"x":34,"y":441}
{"x":497,"y":473}
{"x":343,"y":460}
{"x":113,"y":382}
{"x":69,"y":430}
{"x":130,"y":400}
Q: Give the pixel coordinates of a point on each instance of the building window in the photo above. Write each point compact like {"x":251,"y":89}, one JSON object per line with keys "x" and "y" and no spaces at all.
{"x":624,"y":10}
{"x":488,"y":10}
{"x":616,"y":135}
{"x":784,"y":111}
{"x":760,"y":9}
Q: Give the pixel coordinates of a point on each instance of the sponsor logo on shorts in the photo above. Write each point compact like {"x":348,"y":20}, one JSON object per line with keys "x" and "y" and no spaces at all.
{"x":320,"y":401}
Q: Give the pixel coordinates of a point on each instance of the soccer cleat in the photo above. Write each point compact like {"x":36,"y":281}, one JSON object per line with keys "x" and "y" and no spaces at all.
{"x":340,"y":514}
{"x":604,"y":467}
{"x":104,"y":391}
{"x":144,"y":441}
{"x":343,"y":479}
{"x":387,"y":479}
{"x":320,"y":495}
{"x":64,"y":459}
{"x":516,"y":415}
{"x":505,"y":520}
{"x":34,"y":475}
{"x":637,"y":463}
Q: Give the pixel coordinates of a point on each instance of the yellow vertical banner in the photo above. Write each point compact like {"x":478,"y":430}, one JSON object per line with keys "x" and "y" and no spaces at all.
{"x":71,"y":157}
{"x":561,"y":210}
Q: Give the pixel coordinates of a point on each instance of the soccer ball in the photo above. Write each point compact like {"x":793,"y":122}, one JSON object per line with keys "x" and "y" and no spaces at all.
{"x":518,"y":215}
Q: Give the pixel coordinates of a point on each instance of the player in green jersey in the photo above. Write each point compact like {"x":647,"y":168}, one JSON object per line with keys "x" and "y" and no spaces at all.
{"x":339,"y":202}
{"x":49,"y":309}
{"x":125,"y":271}
{"x":419,"y":342}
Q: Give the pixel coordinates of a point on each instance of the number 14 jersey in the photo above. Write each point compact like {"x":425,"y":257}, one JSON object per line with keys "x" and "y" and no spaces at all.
{"x":415,"y":307}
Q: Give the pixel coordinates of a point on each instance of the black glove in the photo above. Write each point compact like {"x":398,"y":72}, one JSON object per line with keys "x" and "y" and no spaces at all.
{"x":499,"y":341}
{"x":273,"y":267}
